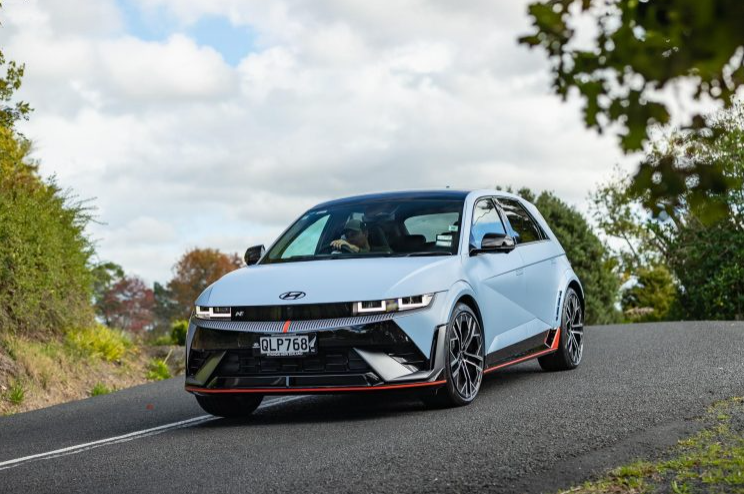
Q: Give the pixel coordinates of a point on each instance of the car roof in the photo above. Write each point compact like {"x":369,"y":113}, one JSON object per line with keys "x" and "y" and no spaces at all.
{"x":434,"y":194}
{"x":397,"y":195}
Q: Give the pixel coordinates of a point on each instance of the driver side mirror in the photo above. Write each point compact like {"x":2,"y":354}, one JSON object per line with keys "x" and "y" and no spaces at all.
{"x":253,"y":254}
{"x":495,"y":242}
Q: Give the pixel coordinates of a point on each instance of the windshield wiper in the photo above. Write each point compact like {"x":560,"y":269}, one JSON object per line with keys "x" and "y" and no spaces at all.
{"x":424,"y":253}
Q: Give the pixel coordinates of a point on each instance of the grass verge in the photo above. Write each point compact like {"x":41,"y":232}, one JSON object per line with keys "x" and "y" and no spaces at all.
{"x":711,"y":461}
{"x":85,"y":362}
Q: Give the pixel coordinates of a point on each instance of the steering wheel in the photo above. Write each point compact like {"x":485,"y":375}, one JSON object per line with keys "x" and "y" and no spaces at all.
{"x":329,"y":249}
{"x":345,"y":248}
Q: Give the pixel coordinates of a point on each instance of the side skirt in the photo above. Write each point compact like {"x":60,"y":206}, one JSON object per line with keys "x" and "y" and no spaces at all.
{"x":536,"y":346}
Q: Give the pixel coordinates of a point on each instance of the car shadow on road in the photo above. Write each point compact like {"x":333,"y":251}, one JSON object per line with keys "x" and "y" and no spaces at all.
{"x":369,"y":406}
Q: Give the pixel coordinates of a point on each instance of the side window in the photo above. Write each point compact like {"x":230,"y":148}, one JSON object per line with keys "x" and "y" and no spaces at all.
{"x":486,"y":219}
{"x":524,"y":226}
{"x":307,"y":241}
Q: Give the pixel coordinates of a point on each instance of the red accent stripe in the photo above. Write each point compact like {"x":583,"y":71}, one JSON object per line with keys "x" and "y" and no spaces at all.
{"x":286,"y":326}
{"x":552,"y":349}
{"x":314,"y":390}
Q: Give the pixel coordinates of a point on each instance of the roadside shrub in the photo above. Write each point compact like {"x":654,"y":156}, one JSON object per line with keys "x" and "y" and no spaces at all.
{"x":16,"y":393}
{"x":45,"y":281}
{"x":100,"y":342}
{"x":162,"y":340}
{"x":100,"y":389}
{"x":178,"y":332}
{"x":709,"y":263}
{"x":157,"y":370}
{"x":652,"y":297}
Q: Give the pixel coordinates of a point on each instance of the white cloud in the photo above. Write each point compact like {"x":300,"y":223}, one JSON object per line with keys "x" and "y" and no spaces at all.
{"x":339,"y":97}
{"x":175,"y":70}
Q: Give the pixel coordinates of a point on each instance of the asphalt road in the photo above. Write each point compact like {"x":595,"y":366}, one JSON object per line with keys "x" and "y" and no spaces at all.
{"x":637,"y":390}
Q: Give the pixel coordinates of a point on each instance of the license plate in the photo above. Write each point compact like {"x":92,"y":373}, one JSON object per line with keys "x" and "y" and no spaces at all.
{"x":296,"y":345}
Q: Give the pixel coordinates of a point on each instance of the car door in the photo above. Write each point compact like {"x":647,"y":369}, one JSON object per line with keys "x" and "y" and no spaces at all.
{"x":539,"y":254}
{"x":497,"y":279}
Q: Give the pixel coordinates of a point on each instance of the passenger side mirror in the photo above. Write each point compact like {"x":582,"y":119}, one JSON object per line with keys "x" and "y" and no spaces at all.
{"x":253,"y":254}
{"x":495,"y":242}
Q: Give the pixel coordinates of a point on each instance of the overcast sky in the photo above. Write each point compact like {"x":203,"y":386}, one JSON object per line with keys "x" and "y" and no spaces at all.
{"x":214,"y":123}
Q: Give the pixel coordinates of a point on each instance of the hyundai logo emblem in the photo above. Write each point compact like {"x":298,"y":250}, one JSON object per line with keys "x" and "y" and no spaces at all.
{"x":292,"y":295}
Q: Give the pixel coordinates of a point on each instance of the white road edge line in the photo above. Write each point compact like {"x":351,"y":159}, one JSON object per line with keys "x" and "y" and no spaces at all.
{"x":128,"y":437}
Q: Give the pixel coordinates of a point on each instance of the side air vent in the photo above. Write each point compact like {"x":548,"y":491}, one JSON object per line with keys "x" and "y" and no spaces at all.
{"x":550,"y":338}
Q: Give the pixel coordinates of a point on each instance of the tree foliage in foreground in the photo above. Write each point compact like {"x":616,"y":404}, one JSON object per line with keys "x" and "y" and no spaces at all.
{"x":641,"y":48}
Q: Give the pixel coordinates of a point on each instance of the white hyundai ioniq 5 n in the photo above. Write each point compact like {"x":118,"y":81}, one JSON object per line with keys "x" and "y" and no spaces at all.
{"x":397,"y":291}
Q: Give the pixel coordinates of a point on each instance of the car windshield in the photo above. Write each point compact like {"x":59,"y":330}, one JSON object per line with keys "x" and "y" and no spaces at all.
{"x":372,"y":228}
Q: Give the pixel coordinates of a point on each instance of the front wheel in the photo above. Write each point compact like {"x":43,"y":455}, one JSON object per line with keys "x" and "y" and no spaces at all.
{"x":229,"y":406}
{"x":463,"y":361}
{"x":571,"y":345}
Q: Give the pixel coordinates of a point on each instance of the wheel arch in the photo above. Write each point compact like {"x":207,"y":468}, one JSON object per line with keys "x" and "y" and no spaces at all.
{"x":470,"y":301}
{"x":574,"y":283}
{"x":569,"y":280}
{"x":461,"y":292}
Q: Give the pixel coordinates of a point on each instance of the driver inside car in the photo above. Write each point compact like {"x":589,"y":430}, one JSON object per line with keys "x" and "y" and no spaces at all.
{"x":355,"y":237}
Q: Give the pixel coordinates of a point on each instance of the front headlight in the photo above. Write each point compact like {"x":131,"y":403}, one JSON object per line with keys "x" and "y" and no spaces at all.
{"x":202,"y":312}
{"x":393,"y":305}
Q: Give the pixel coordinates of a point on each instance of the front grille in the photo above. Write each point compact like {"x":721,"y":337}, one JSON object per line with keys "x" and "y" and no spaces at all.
{"x":196,"y":360}
{"x":245,"y":363}
{"x":336,"y":361}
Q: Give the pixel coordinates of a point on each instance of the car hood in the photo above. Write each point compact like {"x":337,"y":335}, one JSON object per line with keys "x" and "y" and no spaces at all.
{"x":338,"y":280}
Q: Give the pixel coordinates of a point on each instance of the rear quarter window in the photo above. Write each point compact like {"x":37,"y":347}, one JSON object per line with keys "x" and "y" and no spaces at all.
{"x":524,"y":225}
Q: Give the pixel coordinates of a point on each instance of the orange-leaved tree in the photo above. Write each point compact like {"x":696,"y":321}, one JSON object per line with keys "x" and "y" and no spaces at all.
{"x":195,"y":271}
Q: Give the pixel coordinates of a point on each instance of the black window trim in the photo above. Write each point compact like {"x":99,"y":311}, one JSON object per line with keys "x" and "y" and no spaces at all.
{"x":499,"y":211}
{"x":544,"y":236}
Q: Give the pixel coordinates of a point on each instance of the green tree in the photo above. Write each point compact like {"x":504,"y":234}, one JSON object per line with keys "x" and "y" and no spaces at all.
{"x":709,"y":263}
{"x":652,"y":296}
{"x":11,"y":75}
{"x":45,"y":281}
{"x":639,"y":49}
{"x":165,"y":309}
{"x":105,"y":276}
{"x":590,"y":258}
{"x":704,"y":253}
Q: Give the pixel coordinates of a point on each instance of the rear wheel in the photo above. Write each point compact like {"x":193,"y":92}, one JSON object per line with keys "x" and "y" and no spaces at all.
{"x":229,"y":406}
{"x":571,"y":345}
{"x":463,"y":361}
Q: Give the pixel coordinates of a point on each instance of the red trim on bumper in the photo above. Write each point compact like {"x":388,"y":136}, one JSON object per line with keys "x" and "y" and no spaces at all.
{"x":194,"y":389}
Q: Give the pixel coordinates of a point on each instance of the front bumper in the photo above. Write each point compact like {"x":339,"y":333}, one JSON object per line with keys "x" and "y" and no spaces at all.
{"x":375,"y":355}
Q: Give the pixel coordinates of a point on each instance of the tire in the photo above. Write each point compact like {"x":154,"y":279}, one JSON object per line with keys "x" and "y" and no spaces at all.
{"x":571,"y":345}
{"x":229,"y":406}
{"x":463,"y":363}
